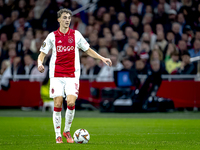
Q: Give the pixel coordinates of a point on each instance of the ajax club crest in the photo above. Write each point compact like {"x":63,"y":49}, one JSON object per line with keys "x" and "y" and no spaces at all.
{"x":70,"y":39}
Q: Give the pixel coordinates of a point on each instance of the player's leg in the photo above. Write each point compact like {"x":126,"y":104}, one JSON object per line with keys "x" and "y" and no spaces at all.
{"x":57,"y":119}
{"x":56,"y":92}
{"x":69,"y":116}
{"x":71,"y":90}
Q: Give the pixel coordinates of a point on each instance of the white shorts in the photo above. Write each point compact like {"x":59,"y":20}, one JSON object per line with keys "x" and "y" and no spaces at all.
{"x":63,"y":86}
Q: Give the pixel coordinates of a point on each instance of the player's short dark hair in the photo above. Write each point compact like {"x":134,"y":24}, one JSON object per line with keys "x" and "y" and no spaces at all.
{"x":64,"y":10}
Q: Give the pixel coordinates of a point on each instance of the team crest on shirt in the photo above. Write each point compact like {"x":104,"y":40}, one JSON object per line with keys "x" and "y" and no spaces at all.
{"x":70,"y":39}
{"x":44,"y":44}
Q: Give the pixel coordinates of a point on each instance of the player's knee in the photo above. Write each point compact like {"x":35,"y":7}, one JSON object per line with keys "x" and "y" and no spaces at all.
{"x":70,"y":104}
{"x":58,"y":104}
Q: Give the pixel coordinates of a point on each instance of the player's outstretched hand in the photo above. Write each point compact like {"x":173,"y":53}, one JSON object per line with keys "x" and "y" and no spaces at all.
{"x":107,"y":61}
{"x":41,"y":68}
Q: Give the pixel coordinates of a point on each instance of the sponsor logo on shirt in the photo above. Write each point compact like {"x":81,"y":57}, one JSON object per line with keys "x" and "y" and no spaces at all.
{"x":64,"y":48}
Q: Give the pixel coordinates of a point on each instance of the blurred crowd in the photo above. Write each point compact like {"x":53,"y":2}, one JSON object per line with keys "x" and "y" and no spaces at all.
{"x":141,"y":35}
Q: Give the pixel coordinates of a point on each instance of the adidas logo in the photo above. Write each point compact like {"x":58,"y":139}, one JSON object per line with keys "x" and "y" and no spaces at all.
{"x":59,"y":41}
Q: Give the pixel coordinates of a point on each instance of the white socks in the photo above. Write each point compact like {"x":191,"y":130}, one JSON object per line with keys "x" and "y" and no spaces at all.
{"x":69,"y":116}
{"x":57,"y":121}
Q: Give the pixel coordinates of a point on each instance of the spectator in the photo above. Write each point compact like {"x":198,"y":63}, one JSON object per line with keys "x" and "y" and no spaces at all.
{"x":106,"y":73}
{"x":122,"y":20}
{"x":177,"y":4}
{"x":91,"y":67}
{"x":109,"y":40}
{"x":182,"y":46}
{"x":21,"y":23}
{"x":196,"y":50}
{"x":173,"y":64}
{"x":119,"y":38}
{"x":171,"y":19}
{"x":160,"y":15}
{"x":186,"y":66}
{"x":107,"y":21}
{"x":147,"y":19}
{"x":157,"y":54}
{"x":4,"y":41}
{"x":186,"y":38}
{"x":35,"y":75}
{"x":103,"y":52}
{"x":159,"y":28}
{"x":11,"y":52}
{"x":14,"y":16}
{"x":161,"y":40}
{"x":93,"y":39}
{"x":166,"y":6}
{"x":140,"y":6}
{"x":135,"y":24}
{"x":176,"y":30}
{"x":102,"y":42}
{"x":22,"y":7}
{"x":130,"y":53}
{"x":113,"y":14}
{"x":15,"y":69}
{"x":171,"y":48}
{"x":145,"y":43}
{"x":181,"y":21}
{"x":140,"y":67}
{"x":77,"y":24}
{"x":3,"y":53}
{"x":132,"y":42}
{"x":127,"y":63}
{"x":83,"y":60}
{"x":4,"y":9}
{"x":128,"y":32}
{"x":115,"y":28}
{"x":170,"y":37}
{"x":4,"y":65}
{"x":26,"y":47}
{"x":148,"y":29}
{"x":16,"y":39}
{"x":29,"y":64}
{"x":149,"y":9}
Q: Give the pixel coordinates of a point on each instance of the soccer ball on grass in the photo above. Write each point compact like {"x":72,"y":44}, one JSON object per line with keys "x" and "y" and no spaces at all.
{"x":81,"y":136}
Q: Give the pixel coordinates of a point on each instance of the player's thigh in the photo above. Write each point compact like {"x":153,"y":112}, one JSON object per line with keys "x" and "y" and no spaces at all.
{"x":56,"y":87}
{"x":72,"y":89}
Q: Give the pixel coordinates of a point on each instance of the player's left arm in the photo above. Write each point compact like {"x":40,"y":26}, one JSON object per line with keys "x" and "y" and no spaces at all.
{"x":94,"y":54}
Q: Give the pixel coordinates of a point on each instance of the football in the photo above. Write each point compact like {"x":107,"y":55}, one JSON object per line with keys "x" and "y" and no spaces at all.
{"x":81,"y":136}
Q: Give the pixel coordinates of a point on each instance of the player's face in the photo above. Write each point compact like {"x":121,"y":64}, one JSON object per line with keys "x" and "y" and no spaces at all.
{"x":65,"y":20}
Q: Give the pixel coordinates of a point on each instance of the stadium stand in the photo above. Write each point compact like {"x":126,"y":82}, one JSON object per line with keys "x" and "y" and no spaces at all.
{"x":130,"y":32}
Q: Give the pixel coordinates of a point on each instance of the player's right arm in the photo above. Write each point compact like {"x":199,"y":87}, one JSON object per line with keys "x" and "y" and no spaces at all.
{"x":40,"y":62}
{"x":46,"y":46}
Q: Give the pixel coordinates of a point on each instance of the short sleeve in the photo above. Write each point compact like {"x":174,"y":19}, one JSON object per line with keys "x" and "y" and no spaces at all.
{"x":47,"y":44}
{"x":82,"y":43}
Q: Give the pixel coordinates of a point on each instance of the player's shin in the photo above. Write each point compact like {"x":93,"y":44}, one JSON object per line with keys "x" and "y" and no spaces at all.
{"x":69,"y":116}
{"x":57,"y":121}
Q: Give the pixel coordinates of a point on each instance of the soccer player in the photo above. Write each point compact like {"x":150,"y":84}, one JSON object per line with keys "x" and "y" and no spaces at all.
{"x":65,"y":69}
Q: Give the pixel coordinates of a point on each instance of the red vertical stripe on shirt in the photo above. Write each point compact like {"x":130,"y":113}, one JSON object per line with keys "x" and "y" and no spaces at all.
{"x":65,"y":54}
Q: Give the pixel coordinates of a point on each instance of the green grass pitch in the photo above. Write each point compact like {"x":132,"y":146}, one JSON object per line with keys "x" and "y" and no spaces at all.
{"x":107,"y":132}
